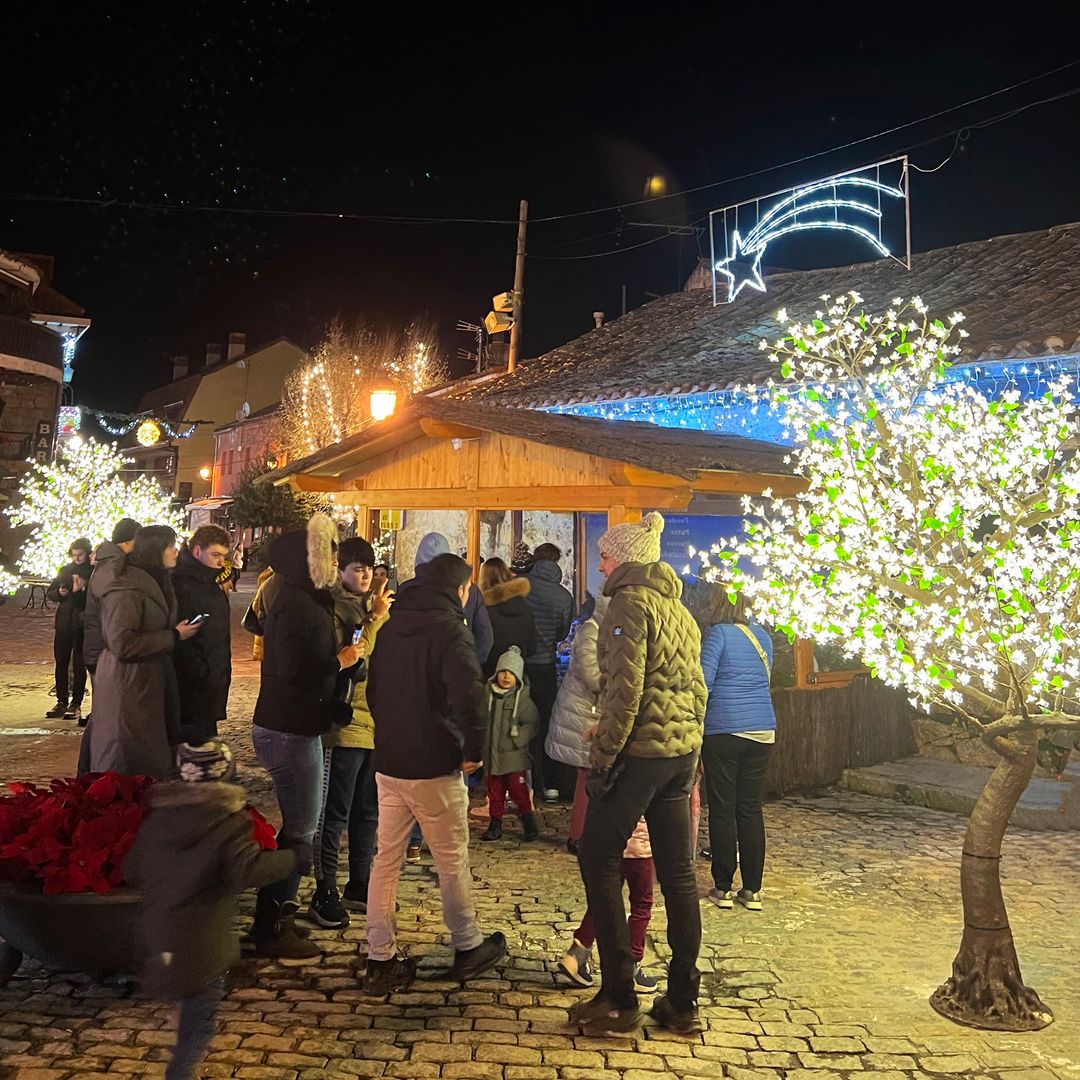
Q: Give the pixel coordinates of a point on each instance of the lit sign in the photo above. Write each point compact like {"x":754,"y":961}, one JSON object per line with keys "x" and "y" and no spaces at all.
{"x":68,"y":421}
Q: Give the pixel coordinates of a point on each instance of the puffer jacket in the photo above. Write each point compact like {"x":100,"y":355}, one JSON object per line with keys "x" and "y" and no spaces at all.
{"x":639,"y":846}
{"x":351,"y":611}
{"x":738,"y":682}
{"x":577,"y":706}
{"x":513,"y":722}
{"x":193,"y":854}
{"x":108,"y":561}
{"x":511,"y":620}
{"x":552,"y":608}
{"x":652,"y":700}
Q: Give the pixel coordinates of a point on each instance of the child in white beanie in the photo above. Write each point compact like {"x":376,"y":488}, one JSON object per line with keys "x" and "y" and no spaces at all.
{"x":513,"y":721}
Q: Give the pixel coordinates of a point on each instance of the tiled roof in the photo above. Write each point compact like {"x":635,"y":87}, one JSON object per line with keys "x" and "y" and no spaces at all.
{"x":1020,"y":295}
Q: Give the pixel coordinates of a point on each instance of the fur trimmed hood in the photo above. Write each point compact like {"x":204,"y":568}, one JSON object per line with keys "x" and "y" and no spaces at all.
{"x":507,"y":590}
{"x":228,"y":798}
{"x":306,"y":557}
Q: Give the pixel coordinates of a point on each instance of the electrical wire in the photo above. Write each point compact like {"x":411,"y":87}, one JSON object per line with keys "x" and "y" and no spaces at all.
{"x":961,"y":136}
{"x":602,"y":254}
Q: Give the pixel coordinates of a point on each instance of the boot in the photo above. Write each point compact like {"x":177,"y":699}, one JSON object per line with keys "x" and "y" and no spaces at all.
{"x":529,"y":829}
{"x":388,"y":976}
{"x":473,"y":962}
{"x":493,"y":831}
{"x":274,"y":933}
{"x":599,"y":1017}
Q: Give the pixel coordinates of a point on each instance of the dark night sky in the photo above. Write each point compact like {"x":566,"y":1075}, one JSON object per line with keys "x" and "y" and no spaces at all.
{"x":272,"y":104}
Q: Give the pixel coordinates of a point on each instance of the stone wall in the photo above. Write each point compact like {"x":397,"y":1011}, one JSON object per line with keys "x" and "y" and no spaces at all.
{"x":24,"y":406}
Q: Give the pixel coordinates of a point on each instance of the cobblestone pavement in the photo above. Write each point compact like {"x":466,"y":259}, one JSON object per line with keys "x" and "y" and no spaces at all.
{"x":861,"y":922}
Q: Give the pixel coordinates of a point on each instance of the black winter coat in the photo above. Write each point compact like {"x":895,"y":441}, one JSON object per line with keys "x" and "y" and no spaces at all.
{"x":512,"y":620}
{"x":425,"y":688}
{"x":203,"y":662}
{"x":299,"y":665}
{"x":70,"y":607}
{"x":552,"y":608}
{"x":193,"y":854}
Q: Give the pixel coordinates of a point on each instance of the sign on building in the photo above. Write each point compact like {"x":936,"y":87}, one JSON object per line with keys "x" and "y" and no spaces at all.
{"x":43,"y":441}
{"x":391,"y":520}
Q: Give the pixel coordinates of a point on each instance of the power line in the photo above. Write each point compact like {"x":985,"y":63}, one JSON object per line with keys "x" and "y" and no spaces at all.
{"x":601,"y":254}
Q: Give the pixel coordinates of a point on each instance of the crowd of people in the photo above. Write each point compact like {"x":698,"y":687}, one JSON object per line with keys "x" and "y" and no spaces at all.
{"x":378,"y":708}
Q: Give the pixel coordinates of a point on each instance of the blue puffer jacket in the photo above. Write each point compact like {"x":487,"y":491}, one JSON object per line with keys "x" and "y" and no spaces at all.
{"x":739,"y":698}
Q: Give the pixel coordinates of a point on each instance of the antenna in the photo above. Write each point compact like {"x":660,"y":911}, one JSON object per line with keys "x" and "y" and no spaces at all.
{"x":479,"y":356}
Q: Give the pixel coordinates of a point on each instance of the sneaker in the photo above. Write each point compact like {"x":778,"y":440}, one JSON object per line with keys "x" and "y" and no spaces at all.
{"x":493,"y":831}
{"x":355,"y":897}
{"x":749,"y":900}
{"x":682,"y":1022}
{"x":387,"y":976}
{"x":530,"y":831}
{"x":599,"y":1018}
{"x":722,"y":898}
{"x":412,"y":854}
{"x":644,"y":983}
{"x":575,"y":964}
{"x":57,"y":711}
{"x":73,"y":712}
{"x":326,"y":908}
{"x":470,"y":963}
{"x":84,"y":720}
{"x":551,"y":794}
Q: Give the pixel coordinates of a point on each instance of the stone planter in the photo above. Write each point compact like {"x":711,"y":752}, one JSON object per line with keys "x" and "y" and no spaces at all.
{"x":87,"y":932}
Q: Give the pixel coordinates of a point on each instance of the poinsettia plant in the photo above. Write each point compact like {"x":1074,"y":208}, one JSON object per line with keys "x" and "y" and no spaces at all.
{"x":72,"y":836}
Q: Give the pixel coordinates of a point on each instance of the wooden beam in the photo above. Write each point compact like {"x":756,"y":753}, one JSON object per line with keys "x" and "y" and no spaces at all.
{"x":562,"y":499}
{"x":364,"y":528}
{"x":445,"y":429}
{"x":716,"y":482}
{"x":306,"y":482}
{"x":621,"y":514}
{"x":472,"y":541}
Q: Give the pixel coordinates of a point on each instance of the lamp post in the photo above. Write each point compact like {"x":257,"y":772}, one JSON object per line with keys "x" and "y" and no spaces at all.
{"x":383,"y":402}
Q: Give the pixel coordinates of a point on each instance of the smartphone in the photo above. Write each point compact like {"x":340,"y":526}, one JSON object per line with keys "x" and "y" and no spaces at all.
{"x":199,"y":618}
{"x":357,"y":634}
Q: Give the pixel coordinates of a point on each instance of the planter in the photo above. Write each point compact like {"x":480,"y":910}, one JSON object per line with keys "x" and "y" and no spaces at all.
{"x":88,"y":932}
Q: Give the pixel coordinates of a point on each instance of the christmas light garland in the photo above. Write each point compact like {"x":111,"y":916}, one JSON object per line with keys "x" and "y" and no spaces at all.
{"x":121,"y":424}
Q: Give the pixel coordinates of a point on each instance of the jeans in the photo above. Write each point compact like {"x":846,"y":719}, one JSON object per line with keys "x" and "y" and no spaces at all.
{"x":352,"y":800}
{"x":546,"y":771}
{"x":509,"y":783}
{"x":295,"y":765}
{"x":441,"y":808}
{"x":67,"y":652}
{"x":196,"y":1029}
{"x":657,"y":789}
{"x":734,"y":778}
{"x":638,"y":875}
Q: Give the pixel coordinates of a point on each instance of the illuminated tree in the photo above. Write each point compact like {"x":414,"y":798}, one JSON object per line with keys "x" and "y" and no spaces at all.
{"x":326,"y":399}
{"x":937,"y":541}
{"x":82,"y":494}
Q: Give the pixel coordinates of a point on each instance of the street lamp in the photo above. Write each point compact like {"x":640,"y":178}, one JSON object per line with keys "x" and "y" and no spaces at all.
{"x":204,"y":472}
{"x":383,"y":402}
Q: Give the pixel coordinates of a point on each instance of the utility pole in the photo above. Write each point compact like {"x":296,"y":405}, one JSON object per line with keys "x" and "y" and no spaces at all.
{"x":519,"y":287}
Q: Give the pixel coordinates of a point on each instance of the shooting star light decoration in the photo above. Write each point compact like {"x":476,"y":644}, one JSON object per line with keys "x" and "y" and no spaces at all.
{"x":792,"y":214}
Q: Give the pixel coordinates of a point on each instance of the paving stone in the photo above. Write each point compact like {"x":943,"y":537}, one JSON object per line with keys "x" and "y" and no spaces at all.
{"x":830,"y":1061}
{"x":951,"y":1063}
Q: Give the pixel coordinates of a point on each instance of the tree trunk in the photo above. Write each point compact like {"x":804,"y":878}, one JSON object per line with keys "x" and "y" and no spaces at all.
{"x":986,"y":989}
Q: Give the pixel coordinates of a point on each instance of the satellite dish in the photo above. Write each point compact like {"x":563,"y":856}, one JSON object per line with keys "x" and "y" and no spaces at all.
{"x":243,"y":412}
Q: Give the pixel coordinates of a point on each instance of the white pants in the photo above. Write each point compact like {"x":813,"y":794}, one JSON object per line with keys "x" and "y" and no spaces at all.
{"x":441,"y":808}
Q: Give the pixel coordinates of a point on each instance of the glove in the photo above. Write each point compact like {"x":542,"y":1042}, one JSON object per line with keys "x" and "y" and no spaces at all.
{"x":305,"y":855}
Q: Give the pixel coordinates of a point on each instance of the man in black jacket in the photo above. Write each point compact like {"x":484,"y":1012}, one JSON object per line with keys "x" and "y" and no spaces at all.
{"x":203,"y":662}
{"x":426,"y":694}
{"x":68,"y":591}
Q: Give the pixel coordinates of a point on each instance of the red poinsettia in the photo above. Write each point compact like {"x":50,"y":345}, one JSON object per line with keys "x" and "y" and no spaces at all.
{"x":73,"y":835}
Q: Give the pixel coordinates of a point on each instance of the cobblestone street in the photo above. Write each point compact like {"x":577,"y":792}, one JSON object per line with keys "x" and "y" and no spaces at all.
{"x":861,"y":921}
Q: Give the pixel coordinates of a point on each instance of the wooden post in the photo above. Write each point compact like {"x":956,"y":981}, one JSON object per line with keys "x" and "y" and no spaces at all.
{"x":472,"y":541}
{"x":519,"y":288}
{"x":620,"y":515}
{"x":804,"y":664}
{"x":363,"y":522}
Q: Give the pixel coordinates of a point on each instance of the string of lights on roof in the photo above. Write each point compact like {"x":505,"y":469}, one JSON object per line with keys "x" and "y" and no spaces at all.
{"x":149,"y":430}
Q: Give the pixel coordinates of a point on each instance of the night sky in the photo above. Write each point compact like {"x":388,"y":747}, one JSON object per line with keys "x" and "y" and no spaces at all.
{"x":395,"y":110}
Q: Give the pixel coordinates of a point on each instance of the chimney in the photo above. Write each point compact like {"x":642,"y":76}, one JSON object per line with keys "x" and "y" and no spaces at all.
{"x":213,"y":354}
{"x":237,"y":346}
{"x":598,"y":318}
{"x":179,"y":367}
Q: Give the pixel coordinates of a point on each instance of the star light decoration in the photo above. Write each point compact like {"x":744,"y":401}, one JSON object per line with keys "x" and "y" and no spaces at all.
{"x":937,"y":539}
{"x":82,"y":494}
{"x":793,"y":215}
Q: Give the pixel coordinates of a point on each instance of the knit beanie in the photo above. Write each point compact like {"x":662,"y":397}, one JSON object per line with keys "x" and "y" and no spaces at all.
{"x":212,"y":760}
{"x":523,"y":560}
{"x":514,"y":662}
{"x":634,"y":541}
{"x":124,"y":531}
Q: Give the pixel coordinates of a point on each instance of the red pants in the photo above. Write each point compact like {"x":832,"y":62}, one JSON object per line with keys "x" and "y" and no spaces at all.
{"x":497,"y":789}
{"x":638,"y":874}
{"x":580,"y":807}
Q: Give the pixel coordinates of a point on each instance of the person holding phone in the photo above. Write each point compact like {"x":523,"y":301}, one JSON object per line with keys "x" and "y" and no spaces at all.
{"x":204,"y":661}
{"x":136,"y":697}
{"x":68,"y":592}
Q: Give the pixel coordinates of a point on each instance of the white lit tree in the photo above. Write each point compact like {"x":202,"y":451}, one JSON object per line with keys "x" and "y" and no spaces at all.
{"x":936,"y":540}
{"x":82,"y":494}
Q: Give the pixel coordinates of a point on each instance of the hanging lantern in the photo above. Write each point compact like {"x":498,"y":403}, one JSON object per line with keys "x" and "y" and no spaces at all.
{"x":149,"y":433}
{"x":383,"y":402}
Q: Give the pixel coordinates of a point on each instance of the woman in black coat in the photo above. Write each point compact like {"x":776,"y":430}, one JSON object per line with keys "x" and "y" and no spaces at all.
{"x":511,"y":617}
